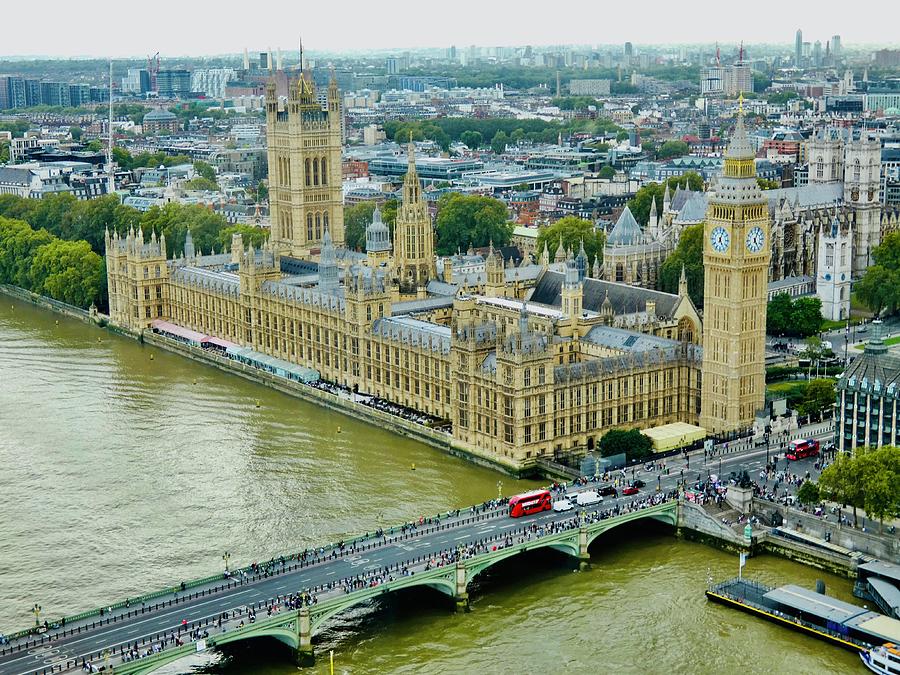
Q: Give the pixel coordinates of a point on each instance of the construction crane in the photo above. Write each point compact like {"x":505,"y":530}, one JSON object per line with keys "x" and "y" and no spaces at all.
{"x":153,"y":70}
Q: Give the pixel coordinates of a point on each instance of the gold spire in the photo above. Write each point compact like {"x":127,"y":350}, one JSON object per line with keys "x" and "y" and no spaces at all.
{"x":741,"y":103}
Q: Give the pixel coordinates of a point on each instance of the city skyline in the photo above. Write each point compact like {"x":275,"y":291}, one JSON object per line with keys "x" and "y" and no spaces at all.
{"x":405,"y":27}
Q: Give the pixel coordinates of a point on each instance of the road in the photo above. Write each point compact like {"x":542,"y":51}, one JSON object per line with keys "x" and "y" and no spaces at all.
{"x":144,"y":623}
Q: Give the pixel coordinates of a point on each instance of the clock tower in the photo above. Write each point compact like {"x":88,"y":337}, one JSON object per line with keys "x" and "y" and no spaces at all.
{"x":736,"y":262}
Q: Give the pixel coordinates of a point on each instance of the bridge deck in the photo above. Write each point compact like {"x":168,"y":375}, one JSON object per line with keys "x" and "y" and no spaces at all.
{"x":277,"y":597}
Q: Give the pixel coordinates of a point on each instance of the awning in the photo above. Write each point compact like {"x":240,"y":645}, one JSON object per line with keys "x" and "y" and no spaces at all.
{"x":177,"y":331}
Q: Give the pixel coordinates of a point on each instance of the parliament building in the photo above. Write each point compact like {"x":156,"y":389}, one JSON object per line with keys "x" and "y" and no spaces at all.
{"x":522,"y":363}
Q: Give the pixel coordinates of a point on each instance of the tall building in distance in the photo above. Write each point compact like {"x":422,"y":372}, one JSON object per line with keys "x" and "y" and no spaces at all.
{"x":798,"y":49}
{"x":736,"y":262}
{"x":413,"y":233}
{"x":304,"y":149}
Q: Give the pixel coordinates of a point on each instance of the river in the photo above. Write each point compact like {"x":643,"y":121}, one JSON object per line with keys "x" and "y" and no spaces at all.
{"x":121,"y":473}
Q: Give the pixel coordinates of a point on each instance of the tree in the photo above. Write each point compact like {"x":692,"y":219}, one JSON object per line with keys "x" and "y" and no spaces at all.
{"x":205,"y":170}
{"x":842,"y":481}
{"x":879,"y":288}
{"x":470,"y":220}
{"x":68,"y":271}
{"x":808,"y":493}
{"x":689,"y":254}
{"x":262,"y":192}
{"x":881,"y":475}
{"x":75,"y":133}
{"x":607,"y":172}
{"x":202,"y":184}
{"x":819,"y":396}
{"x":765,"y":184}
{"x":4,"y":152}
{"x":472,"y":139}
{"x":632,"y":443}
{"x":498,"y":142}
{"x":573,"y":231}
{"x":671,"y":149}
{"x":793,"y":318}
{"x":356,"y":219}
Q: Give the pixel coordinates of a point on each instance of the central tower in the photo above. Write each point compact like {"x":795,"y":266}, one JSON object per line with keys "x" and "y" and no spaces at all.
{"x":736,"y":261}
{"x":305,"y":195}
{"x":413,"y":233}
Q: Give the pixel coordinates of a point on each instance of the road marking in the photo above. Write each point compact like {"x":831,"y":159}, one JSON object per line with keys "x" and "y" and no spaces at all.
{"x":508,"y":526}
{"x":465,"y":536}
{"x":328,"y":574}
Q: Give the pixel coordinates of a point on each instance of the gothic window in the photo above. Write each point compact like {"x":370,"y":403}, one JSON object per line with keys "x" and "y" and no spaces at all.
{"x":325,"y":220}
{"x":309,"y":226}
{"x":856,"y":171}
{"x":820,"y":168}
{"x":315,"y":170}
{"x":829,"y":255}
{"x":324,"y":173}
{"x":318,"y":226}
{"x":306,"y":173}
{"x":843,"y":254}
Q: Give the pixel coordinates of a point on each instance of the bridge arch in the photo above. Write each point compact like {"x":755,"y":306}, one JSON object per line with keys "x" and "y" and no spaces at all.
{"x":567,"y":544}
{"x":668,"y":516}
{"x":445,"y":583}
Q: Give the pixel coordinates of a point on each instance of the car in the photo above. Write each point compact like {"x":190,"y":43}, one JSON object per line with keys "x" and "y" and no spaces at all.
{"x":629,"y":490}
{"x":562,"y":505}
{"x":608,"y":491}
{"x":638,"y":483}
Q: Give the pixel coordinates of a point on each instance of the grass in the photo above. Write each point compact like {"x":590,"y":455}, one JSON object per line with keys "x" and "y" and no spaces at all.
{"x":888,"y":342}
{"x":838,"y":325}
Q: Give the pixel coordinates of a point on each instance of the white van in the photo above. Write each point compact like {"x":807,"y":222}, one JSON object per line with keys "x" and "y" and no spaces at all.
{"x":587,"y":498}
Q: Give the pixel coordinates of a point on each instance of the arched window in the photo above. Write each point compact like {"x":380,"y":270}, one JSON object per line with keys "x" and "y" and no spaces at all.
{"x":307,"y":172}
{"x":856,"y":170}
{"x":324,"y":173}
{"x":820,"y":168}
{"x":686,"y":330}
{"x":325,"y":220}
{"x":309,"y":225}
{"x":315,"y":170}
{"x":318,"y":226}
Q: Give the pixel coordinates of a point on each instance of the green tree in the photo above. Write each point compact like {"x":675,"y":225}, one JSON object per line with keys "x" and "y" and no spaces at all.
{"x":573,"y":231}
{"x":808,"y":493}
{"x":671,"y":149}
{"x":607,"y":172}
{"x":68,"y":271}
{"x":262,"y":192}
{"x":75,"y":133}
{"x":470,"y":220}
{"x":881,"y":475}
{"x":94,"y":146}
{"x":765,"y":184}
{"x":472,"y":139}
{"x":205,"y":170}
{"x":819,"y":396}
{"x":356,"y":218}
{"x":689,"y":254}
{"x":793,"y":318}
{"x":498,"y":142}
{"x":4,"y":152}
{"x":632,"y":443}
{"x":879,"y":288}
{"x":201,"y":183}
{"x":842,"y":481}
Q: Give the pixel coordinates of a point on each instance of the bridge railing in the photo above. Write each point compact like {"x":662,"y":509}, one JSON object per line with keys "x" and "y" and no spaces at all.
{"x":301,"y":559}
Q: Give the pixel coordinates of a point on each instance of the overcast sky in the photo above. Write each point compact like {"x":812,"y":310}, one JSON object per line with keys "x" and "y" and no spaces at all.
{"x":196,"y":27}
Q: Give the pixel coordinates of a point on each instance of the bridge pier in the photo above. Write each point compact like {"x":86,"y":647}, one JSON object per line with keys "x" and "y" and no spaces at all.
{"x":584,"y":558}
{"x":305,"y":655}
{"x":461,"y":596}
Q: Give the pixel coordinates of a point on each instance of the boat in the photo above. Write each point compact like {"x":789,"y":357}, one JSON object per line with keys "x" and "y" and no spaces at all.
{"x":884,"y":660}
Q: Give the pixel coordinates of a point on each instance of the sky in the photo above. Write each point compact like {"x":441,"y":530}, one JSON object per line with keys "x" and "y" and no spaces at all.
{"x":198,"y":27}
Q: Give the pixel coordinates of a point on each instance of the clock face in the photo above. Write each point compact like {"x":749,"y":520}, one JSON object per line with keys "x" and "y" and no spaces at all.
{"x":755,"y":240}
{"x":720,"y":239}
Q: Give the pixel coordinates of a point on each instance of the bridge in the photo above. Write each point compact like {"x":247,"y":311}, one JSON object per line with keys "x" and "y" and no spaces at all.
{"x":290,"y":598}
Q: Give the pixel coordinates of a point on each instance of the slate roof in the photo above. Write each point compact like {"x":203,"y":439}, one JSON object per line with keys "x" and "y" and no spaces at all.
{"x":694,"y":209}
{"x":624,"y":298}
{"x":15,"y":176}
{"x":626,"y":340}
{"x":876,"y":371}
{"x":680,"y":198}
{"x":627,"y":232}
{"x":813,"y":194}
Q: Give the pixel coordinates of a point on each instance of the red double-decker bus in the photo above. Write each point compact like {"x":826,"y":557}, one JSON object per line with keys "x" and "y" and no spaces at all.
{"x":529,"y":503}
{"x":802,"y":448}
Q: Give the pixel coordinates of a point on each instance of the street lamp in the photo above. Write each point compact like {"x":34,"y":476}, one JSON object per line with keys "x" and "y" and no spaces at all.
{"x":36,"y":610}
{"x":226,"y":557}
{"x":767,"y":450}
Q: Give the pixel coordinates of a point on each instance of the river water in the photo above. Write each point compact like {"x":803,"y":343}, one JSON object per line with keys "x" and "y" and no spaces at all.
{"x":121,"y":473}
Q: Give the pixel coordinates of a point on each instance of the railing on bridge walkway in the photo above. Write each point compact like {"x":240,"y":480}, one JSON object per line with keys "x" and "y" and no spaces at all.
{"x":295,"y":618}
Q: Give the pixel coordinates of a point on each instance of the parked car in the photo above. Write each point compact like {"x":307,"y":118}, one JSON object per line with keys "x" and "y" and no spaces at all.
{"x":629,"y":490}
{"x":562,"y":505}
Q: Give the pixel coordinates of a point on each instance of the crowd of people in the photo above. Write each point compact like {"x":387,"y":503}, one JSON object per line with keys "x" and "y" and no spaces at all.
{"x":409,"y":414}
